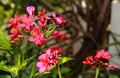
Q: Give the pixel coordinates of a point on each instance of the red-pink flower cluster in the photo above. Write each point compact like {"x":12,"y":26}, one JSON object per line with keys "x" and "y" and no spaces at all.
{"x":59,"y":20}
{"x":34,"y":28}
{"x":49,"y":59}
{"x":15,"y":29}
{"x":59,"y":36}
{"x":31,"y":26}
{"x":101,"y":59}
{"x":37,"y":37}
{"x":43,"y":19}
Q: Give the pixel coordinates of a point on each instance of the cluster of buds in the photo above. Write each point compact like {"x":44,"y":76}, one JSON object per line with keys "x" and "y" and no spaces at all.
{"x":100,"y":60}
{"x":59,"y":36}
{"x":49,"y":59}
{"x":32,"y":26}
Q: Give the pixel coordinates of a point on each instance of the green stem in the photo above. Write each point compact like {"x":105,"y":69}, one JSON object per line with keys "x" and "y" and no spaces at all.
{"x":32,"y":71}
{"x":59,"y":72}
{"x":50,"y":31}
{"x":33,"y":67}
{"x":97,"y":72}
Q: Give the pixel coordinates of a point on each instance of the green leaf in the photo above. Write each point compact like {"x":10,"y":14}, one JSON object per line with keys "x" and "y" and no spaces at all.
{"x":3,"y":66}
{"x":37,"y":74}
{"x":46,"y":72}
{"x":64,"y":60}
{"x":12,"y":69}
{"x":1,"y":12}
{"x":65,"y":70}
{"x":113,"y":76}
{"x":4,"y":40}
{"x":5,"y":76}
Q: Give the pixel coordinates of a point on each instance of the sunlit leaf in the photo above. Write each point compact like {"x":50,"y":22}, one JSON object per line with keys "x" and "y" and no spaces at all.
{"x":64,"y":60}
{"x":12,"y":69}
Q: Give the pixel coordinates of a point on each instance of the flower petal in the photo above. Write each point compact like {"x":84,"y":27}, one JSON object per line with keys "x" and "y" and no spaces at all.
{"x":42,"y":69}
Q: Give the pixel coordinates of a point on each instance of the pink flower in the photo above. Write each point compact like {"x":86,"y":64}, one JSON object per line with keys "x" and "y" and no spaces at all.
{"x":43,"y":63}
{"x":56,"y":34}
{"x":102,"y":54}
{"x":37,"y":37}
{"x":63,"y":37}
{"x":49,"y":59}
{"x":43,"y":66}
{"x":15,"y":28}
{"x":42,"y":24}
{"x":112,"y":66}
{"x":27,"y":22}
{"x":13,"y":22}
{"x":101,"y":59}
{"x":54,"y":54}
{"x":59,"y":20}
{"x":30,"y":10}
{"x":43,"y":19}
{"x":89,"y":61}
{"x":59,"y":36}
{"x":15,"y":35}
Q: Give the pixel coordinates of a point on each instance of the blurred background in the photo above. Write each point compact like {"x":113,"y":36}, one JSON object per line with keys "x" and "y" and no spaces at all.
{"x":91,"y":25}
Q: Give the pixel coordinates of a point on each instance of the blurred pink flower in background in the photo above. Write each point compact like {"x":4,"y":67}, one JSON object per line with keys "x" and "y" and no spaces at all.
{"x":101,"y":59}
{"x":59,"y":20}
